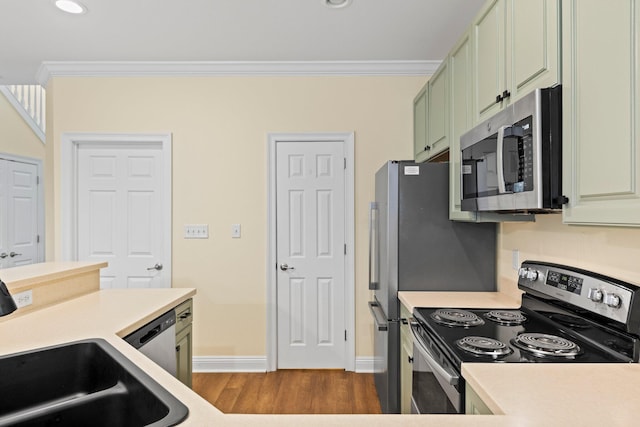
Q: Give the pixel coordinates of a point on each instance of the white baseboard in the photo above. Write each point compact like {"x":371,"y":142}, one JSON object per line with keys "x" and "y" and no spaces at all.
{"x":364,"y":365}
{"x":229,"y":364}
{"x":254,"y":364}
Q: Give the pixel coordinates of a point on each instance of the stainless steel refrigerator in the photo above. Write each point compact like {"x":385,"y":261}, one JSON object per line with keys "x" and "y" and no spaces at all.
{"x":413,"y":246}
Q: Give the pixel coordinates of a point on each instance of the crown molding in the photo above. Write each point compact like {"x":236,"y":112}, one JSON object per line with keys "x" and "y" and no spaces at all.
{"x":50,"y":69}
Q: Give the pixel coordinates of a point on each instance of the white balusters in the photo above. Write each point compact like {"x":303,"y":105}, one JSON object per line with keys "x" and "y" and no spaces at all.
{"x":30,"y":101}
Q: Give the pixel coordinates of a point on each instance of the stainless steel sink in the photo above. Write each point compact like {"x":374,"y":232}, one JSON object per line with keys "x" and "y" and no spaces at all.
{"x":79,"y":384}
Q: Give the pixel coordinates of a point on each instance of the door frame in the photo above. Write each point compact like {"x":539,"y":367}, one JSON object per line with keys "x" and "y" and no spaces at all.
{"x":348,"y":139}
{"x":70,"y":142}
{"x":40,"y":196}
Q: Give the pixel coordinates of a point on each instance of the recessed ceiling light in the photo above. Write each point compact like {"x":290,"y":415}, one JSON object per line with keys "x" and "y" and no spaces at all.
{"x":337,"y":3}
{"x":70,"y":6}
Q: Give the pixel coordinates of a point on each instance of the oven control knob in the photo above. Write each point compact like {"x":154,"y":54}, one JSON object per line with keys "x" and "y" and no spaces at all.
{"x":595,"y":295}
{"x":612,"y":300}
{"x":528,"y":274}
{"x":532,"y":275}
{"x":522,"y":272}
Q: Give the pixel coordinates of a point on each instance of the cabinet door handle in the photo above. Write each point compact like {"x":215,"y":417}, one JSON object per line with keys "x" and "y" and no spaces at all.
{"x":427,"y":148}
{"x":499,"y":99}
{"x":3,"y":255}
{"x":506,"y":94}
{"x":13,"y":254}
{"x":410,"y":359}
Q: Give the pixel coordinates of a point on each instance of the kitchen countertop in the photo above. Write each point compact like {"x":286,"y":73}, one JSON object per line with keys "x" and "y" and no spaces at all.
{"x":608,"y":393}
{"x":413,"y":299}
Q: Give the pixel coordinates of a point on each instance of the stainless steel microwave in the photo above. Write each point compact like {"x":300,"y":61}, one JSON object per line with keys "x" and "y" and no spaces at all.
{"x":512,"y":162}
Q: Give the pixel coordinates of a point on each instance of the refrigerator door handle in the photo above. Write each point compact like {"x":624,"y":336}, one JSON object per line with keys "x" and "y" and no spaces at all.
{"x":378,"y":316}
{"x":374,"y":281}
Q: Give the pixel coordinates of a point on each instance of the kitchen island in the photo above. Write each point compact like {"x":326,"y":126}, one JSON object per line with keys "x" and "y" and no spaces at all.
{"x":519,"y":394}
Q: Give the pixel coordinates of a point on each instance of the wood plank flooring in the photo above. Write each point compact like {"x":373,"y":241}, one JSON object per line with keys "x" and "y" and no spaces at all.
{"x":289,"y":391}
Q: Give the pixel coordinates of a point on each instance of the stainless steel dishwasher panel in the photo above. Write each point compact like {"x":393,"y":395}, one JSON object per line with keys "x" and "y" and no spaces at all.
{"x":157,"y":341}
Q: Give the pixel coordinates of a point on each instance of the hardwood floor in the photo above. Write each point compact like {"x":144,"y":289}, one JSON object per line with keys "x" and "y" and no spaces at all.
{"x":290,"y":391}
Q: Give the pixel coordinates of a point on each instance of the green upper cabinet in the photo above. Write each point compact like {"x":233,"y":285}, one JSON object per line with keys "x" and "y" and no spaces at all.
{"x":431,"y":116}
{"x":601,"y":116}
{"x":438,"y":111}
{"x":489,"y":58}
{"x":516,"y":48}
{"x":460,"y":118}
{"x":420,"y":150}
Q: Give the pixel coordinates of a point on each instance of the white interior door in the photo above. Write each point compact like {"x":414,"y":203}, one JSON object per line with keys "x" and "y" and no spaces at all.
{"x":18,"y":213}
{"x":120,"y":213}
{"x":310,"y":209}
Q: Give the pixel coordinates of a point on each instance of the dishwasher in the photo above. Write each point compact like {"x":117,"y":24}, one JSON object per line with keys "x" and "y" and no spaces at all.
{"x":157,"y":341}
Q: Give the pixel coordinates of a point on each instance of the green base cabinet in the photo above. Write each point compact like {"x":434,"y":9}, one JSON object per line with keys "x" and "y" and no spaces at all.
{"x":184,"y":342}
{"x":473,"y":405}
{"x":406,"y":361}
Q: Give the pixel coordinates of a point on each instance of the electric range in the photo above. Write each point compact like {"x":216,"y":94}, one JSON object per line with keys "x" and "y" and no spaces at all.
{"x":567,"y":315}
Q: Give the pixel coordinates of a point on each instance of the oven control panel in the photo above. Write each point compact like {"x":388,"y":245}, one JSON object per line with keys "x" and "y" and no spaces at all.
{"x":577,"y":287}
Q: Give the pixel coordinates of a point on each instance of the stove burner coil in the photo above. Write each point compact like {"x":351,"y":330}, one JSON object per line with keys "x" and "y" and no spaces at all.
{"x":483,"y":346}
{"x":546,"y":345}
{"x":455,"y":317}
{"x":506,"y":317}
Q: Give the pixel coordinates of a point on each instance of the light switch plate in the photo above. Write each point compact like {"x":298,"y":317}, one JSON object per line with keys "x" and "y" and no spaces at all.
{"x":515,"y":259}
{"x":235,"y":231}
{"x":196,"y":231}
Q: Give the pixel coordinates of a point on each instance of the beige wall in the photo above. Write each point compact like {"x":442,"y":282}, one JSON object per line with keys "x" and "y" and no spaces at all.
{"x":16,"y":137}
{"x":614,"y":251}
{"x":220,"y":127}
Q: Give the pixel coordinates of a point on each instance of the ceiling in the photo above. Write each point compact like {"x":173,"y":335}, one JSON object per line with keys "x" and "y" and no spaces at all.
{"x":226,"y":30}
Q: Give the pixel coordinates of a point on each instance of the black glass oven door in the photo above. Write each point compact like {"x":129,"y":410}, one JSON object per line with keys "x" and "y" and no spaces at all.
{"x":436,"y":383}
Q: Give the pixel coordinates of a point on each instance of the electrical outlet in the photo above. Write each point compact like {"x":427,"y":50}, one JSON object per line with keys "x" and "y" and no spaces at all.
{"x":24,"y":298}
{"x":235,"y":231}
{"x":196,"y":231}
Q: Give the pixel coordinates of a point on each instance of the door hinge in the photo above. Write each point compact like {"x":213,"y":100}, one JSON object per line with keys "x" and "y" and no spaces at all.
{"x":38,"y":238}
{"x":37,"y":180}
{"x":345,"y":162}
{"x":345,"y":334}
{"x":345,"y":248}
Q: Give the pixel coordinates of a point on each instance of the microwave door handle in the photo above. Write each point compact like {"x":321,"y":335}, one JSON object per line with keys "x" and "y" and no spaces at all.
{"x":450,"y":377}
{"x":374,"y":259}
{"x":500,"y":160}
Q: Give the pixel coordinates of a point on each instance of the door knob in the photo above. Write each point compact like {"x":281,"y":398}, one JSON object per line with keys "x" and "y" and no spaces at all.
{"x":3,"y":255}
{"x":12,"y":254}
{"x":285,"y":267}
{"x":156,"y":267}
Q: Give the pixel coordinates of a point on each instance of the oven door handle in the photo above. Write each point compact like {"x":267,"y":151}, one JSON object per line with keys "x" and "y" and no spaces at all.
{"x":378,"y":316}
{"x":451,"y":378}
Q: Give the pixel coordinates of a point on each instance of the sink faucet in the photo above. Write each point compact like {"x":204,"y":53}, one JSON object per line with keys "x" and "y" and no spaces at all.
{"x":7,"y":304}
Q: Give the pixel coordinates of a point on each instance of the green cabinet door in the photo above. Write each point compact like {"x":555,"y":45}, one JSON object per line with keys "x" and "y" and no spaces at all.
{"x":601,"y":115}
{"x":420,"y":145}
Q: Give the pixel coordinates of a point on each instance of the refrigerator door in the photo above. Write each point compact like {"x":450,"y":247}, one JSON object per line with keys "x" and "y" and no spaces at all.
{"x":387,"y":232}
{"x":387,"y":342}
{"x":386,"y":338}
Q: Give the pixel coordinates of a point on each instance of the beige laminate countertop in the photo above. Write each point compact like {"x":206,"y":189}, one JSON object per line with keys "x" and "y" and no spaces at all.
{"x":609,"y":393}
{"x":413,"y":299}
